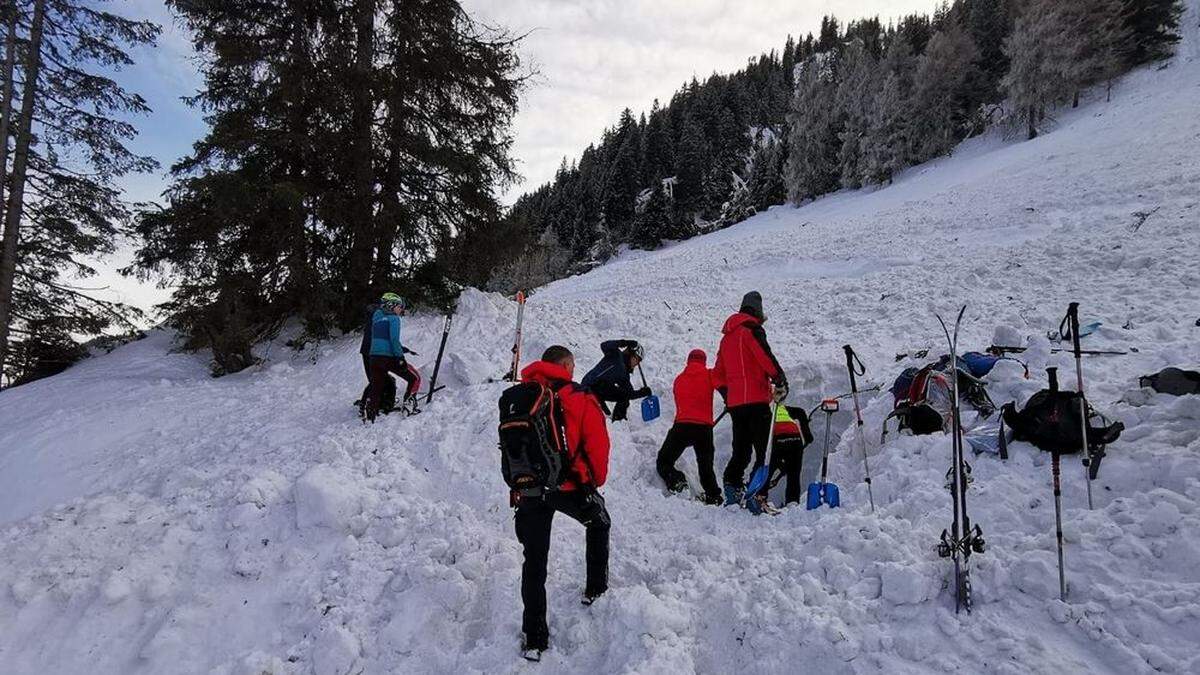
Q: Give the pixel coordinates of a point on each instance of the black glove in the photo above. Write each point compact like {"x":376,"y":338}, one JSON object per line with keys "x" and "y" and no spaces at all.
{"x":781,"y":390}
{"x":642,"y":393}
{"x":620,"y":411}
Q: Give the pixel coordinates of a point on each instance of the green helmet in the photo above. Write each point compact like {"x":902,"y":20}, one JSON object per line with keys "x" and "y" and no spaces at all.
{"x":392,"y":300}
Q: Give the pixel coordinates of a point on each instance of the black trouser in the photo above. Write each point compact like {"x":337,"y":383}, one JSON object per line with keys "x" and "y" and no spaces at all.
{"x":367,"y":366}
{"x":751,"y":428}
{"x":684,"y":435}
{"x":533,"y":521}
{"x":787,"y":458}
{"x":380,"y":369}
{"x":607,"y":392}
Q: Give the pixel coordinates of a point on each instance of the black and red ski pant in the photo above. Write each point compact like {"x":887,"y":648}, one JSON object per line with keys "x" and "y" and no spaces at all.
{"x":381,"y":369}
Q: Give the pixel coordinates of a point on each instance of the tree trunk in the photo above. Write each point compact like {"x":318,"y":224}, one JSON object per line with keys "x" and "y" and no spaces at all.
{"x":1075,"y":100}
{"x":362,"y":212}
{"x":10,"y":56}
{"x":12,"y":217}
{"x":1032,"y":123}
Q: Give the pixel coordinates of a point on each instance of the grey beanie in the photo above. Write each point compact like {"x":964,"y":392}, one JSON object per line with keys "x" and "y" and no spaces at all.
{"x":752,"y":304}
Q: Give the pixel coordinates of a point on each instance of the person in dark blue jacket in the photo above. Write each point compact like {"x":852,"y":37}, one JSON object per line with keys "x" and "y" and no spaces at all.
{"x":364,"y":348}
{"x":609,"y":379}
{"x":386,"y":356}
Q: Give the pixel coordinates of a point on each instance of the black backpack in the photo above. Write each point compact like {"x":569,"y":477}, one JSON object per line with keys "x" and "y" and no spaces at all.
{"x":912,"y":406}
{"x":534,"y":457}
{"x":1050,"y":420}
{"x":1173,"y":381}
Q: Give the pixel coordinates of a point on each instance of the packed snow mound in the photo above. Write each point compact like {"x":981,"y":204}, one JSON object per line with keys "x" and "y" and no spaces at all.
{"x":153,"y":519}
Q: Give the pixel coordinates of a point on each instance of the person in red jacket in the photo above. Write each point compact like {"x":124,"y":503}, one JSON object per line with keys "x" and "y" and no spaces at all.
{"x":749,"y":378}
{"x":693,"y":428}
{"x":577,"y":498}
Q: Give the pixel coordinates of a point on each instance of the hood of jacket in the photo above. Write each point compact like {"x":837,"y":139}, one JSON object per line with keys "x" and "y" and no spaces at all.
{"x":739,"y":319}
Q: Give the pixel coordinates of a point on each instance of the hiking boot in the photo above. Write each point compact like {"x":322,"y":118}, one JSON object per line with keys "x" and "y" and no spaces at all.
{"x":532,"y":648}
{"x":714,"y":499}
{"x":759,"y":504}
{"x":734,"y":494}
{"x":410,"y":407}
{"x":677,"y":486}
{"x":590,"y":597}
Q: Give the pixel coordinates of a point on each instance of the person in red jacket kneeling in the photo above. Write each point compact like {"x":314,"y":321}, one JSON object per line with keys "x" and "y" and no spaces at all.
{"x":693,"y":428}
{"x":749,"y":378}
{"x":577,"y":497}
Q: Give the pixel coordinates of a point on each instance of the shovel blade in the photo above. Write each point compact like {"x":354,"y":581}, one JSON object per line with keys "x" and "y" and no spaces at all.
{"x":758,"y":480}
{"x":823,"y":493}
{"x":650,"y":409}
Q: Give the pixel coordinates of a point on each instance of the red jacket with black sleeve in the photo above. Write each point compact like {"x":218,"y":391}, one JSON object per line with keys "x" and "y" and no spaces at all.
{"x":745,"y":366}
{"x":587,"y":435}
{"x":694,"y":389}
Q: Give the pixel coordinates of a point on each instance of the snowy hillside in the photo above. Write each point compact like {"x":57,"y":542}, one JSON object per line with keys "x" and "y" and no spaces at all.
{"x":155,"y":520}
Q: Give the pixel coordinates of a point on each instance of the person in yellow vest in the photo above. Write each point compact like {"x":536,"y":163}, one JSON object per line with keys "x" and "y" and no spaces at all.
{"x":792,"y":435}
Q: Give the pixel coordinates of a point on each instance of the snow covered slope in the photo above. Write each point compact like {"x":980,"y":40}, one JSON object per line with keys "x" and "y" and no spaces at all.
{"x":154,"y":520}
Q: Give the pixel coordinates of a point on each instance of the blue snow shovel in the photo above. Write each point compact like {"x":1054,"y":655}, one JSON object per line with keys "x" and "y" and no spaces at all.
{"x":823,"y":492}
{"x":650,"y":408}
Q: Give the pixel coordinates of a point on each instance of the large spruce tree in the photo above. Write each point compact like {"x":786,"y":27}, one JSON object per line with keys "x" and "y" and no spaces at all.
{"x":67,"y":118}
{"x":351,"y":143}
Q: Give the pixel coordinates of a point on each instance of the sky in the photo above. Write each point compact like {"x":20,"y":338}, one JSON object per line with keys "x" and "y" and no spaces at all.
{"x":592,"y":58}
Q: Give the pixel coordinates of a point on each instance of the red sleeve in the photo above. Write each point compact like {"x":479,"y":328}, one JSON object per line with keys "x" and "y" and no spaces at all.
{"x":713,"y":381}
{"x":595,"y":440}
{"x":718,"y":371}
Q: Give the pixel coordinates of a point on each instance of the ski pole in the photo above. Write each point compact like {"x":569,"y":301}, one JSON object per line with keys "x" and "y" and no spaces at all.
{"x":1062,"y":578}
{"x":825,"y":454}
{"x":1073,"y":318}
{"x":1052,"y":376}
{"x":437,"y":364}
{"x":851,"y":359}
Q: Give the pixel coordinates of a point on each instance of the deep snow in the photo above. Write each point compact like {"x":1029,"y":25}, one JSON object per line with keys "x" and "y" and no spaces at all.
{"x":153,"y":519}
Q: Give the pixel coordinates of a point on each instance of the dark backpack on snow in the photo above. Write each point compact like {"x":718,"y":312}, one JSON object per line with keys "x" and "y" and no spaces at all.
{"x":534,"y":457}
{"x":1173,"y":381}
{"x":1051,"y":421}
{"x":912,"y":406}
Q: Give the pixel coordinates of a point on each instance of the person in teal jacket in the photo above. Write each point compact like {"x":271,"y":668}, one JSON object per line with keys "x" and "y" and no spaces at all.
{"x":387,"y":355}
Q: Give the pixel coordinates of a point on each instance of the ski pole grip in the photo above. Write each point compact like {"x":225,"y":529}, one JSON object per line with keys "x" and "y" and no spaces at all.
{"x":851,"y":359}
{"x":1073,"y":317}
{"x":1052,"y":376}
{"x":850,"y":367}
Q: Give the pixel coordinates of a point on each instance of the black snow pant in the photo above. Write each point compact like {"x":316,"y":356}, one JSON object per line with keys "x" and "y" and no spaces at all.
{"x":607,"y":392}
{"x":751,"y":429}
{"x":682,"y":436}
{"x":533,"y":520}
{"x":380,"y":370}
{"x":787,"y":458}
